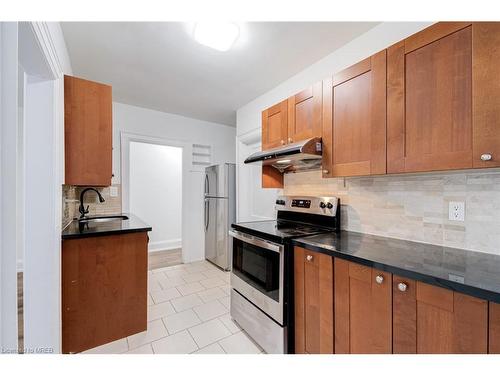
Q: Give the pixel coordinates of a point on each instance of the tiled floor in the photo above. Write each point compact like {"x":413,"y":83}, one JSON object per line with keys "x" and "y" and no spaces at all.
{"x":164,"y":258}
{"x":188,"y":312}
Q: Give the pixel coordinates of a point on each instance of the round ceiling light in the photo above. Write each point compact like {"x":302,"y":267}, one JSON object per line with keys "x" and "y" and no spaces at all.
{"x":217,"y":35}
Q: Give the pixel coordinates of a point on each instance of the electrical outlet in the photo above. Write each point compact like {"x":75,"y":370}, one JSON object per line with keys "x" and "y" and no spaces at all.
{"x":113,"y":191}
{"x":456,"y":211}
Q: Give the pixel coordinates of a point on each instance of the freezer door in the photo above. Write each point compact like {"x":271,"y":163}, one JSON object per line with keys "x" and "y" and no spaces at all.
{"x":211,"y":181}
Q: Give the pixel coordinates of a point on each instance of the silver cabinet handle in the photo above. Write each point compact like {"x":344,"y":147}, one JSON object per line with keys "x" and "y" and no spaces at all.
{"x":309,"y":258}
{"x":282,"y":142}
{"x":402,"y":287}
{"x":379,"y":279}
{"x":290,"y":140}
{"x":325,"y":171}
{"x":486,"y":157}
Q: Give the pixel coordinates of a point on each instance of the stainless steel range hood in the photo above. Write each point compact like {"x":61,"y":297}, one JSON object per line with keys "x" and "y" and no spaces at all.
{"x":295,"y":157}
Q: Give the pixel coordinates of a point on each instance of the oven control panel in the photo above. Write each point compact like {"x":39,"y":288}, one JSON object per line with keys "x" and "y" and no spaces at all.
{"x":312,"y":205}
{"x":301,"y":203}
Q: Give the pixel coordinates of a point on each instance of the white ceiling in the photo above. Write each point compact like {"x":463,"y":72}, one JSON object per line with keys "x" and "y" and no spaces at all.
{"x":158,"y":65}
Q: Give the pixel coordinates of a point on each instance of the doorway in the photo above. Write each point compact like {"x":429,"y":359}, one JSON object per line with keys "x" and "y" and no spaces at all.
{"x":155,"y":196}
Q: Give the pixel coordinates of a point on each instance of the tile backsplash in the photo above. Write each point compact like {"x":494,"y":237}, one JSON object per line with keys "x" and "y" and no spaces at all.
{"x":414,"y":207}
{"x":70,"y":202}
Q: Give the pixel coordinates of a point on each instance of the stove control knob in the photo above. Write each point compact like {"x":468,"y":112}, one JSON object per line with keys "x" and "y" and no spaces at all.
{"x":329,"y":206}
{"x":322,"y":205}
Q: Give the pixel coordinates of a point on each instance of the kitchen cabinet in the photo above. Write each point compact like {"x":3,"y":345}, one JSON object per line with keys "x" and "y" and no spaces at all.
{"x":313,"y":281}
{"x":275,"y":125}
{"x":441,"y":85}
{"x":354,"y":119}
{"x":104,"y":289}
{"x":494,"y":328}
{"x":363,"y":309}
{"x":430,"y":319}
{"x":304,"y":114}
{"x":87,"y":132}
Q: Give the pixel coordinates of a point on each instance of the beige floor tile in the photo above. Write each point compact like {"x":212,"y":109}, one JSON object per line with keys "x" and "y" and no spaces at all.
{"x":160,"y":310}
{"x":209,"y":332}
{"x":192,"y":277}
{"x":179,"y":343}
{"x":181,"y":321}
{"x":154,"y":286}
{"x":156,"y":276}
{"x":211,"y":294}
{"x":212,"y":282}
{"x":172,"y":282}
{"x":114,"y":347}
{"x":190,"y":288}
{"x":210,"y":310}
{"x":156,"y":330}
{"x":186,"y":302}
{"x":163,"y":269}
{"x":226,"y":301}
{"x":145,"y":349}
{"x":160,"y":296}
{"x":175,"y":273}
{"x":211,"y":349}
{"x":150,"y":300}
{"x":230,"y":323}
{"x":239,"y":343}
{"x":213,"y":273}
{"x":226,"y":289}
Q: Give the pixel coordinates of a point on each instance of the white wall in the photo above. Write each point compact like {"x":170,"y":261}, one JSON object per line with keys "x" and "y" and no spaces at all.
{"x":248,"y":117}
{"x":146,"y":122}
{"x":155,"y":191}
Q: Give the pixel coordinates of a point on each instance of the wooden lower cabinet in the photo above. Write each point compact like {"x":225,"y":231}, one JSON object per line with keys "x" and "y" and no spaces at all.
{"x":104,"y":289}
{"x":363,"y":309}
{"x":313,"y":280}
{"x":430,"y":319}
{"x":494,"y":329}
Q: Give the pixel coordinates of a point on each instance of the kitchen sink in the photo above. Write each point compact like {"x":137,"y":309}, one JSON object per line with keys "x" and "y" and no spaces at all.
{"x":103,"y":219}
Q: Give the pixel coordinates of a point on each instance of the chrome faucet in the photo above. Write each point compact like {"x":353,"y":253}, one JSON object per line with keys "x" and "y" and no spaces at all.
{"x":84,"y":211}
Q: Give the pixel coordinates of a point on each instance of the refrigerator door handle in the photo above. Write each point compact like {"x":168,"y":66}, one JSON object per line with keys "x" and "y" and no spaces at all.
{"x":207,"y":213}
{"x":206,"y":184}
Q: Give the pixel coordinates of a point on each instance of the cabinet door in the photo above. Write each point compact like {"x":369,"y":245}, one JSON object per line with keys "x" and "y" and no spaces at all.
{"x":429,"y":118}
{"x":354,"y":119}
{"x":304,"y":114}
{"x":88,"y":132}
{"x":450,"y":322}
{"x":404,"y":315}
{"x":275,"y":125}
{"x":313,"y":302}
{"x":363,"y":309}
{"x":104,"y":289}
{"x":485,"y":93}
{"x":494,"y":328}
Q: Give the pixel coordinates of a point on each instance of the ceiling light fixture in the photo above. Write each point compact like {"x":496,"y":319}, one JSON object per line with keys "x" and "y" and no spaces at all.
{"x":217,"y":35}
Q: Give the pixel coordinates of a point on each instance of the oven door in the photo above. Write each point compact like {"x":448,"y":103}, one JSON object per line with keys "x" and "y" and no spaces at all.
{"x":257,"y":273}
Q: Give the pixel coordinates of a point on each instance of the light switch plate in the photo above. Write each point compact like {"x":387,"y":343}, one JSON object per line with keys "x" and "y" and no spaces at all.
{"x":456,"y":211}
{"x":113,"y":191}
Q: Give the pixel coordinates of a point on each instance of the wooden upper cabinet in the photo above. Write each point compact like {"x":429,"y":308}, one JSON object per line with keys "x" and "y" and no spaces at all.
{"x":442,"y":85}
{"x":354,"y":119}
{"x":433,"y":320}
{"x":88,"y":132}
{"x":485,"y":93}
{"x":304,"y":114}
{"x":313,"y":280}
{"x":363,"y":309}
{"x":275,"y":125}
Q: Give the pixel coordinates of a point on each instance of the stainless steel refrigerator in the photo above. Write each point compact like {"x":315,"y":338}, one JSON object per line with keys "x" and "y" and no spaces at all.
{"x":220,"y":213}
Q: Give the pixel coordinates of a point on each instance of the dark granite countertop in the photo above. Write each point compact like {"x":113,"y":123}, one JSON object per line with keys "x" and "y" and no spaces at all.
{"x":92,"y":229}
{"x":469,"y":272}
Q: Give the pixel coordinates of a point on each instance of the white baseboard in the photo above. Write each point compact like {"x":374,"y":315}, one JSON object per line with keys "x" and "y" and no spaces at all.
{"x":165,"y":245}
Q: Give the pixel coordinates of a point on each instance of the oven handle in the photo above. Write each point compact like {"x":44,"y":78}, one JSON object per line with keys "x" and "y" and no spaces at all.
{"x":256,"y":241}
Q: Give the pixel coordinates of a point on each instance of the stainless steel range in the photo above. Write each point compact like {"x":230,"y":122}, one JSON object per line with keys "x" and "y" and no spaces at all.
{"x":262,"y":267}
